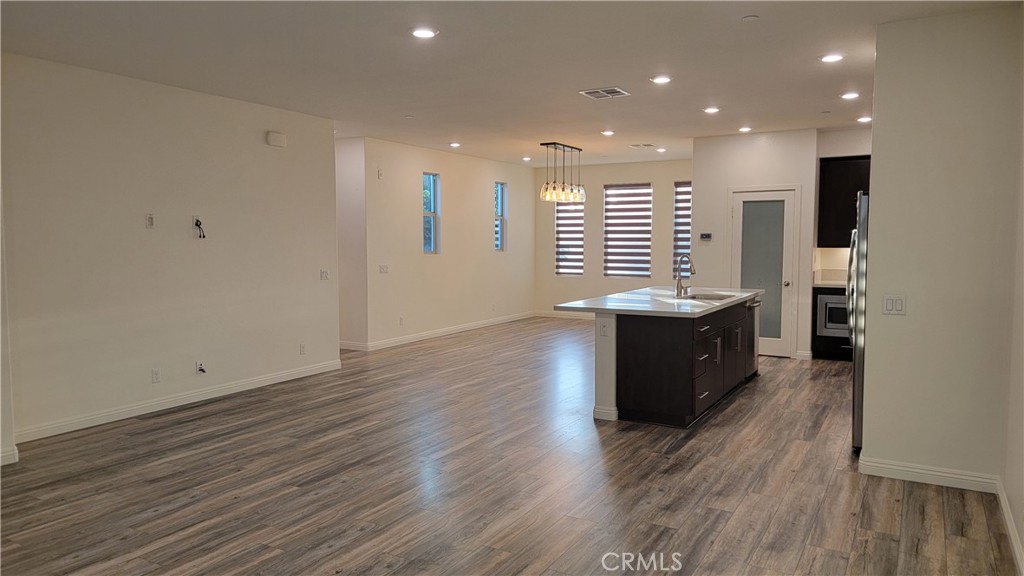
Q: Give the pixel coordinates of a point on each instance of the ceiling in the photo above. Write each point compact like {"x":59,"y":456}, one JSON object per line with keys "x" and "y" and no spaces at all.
{"x":501,"y":77}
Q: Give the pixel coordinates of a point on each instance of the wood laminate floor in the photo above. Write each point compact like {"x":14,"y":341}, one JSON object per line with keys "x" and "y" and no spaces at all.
{"x":477,"y":454}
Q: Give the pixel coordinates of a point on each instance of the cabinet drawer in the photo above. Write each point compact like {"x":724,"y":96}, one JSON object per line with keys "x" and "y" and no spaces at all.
{"x":703,"y":354}
{"x":706,"y":391}
{"x":705,"y":325}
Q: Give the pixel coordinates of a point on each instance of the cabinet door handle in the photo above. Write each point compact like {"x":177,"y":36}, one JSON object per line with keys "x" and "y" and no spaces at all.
{"x":739,"y":337}
{"x":704,"y":357}
{"x":703,"y":395}
{"x":718,"y":350}
{"x":703,"y":328}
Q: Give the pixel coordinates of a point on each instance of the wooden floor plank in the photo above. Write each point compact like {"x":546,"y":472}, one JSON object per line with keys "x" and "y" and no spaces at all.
{"x":922,"y":538}
{"x":477,"y":453}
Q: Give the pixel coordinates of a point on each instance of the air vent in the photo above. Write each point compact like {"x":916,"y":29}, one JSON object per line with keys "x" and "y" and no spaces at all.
{"x":641,"y":146}
{"x":604,"y":93}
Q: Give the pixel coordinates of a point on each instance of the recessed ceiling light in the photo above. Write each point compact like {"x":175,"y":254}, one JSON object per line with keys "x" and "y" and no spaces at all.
{"x":864,"y":119}
{"x":608,"y":133}
{"x":745,"y":129}
{"x":527,"y":158}
{"x":408,"y":116}
{"x":850,"y":96}
{"x":454,"y":144}
{"x":424,"y":32}
{"x":661,"y":79}
{"x":662,"y":150}
{"x":831,"y":58}
{"x":711,"y":109}
{"x":750,"y":18}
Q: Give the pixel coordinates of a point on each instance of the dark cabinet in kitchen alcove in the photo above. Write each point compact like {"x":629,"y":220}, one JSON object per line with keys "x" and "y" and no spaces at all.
{"x":839,"y":180}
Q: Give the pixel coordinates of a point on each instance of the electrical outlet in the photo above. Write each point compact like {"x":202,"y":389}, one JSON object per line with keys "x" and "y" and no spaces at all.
{"x":302,"y":349}
{"x":382,"y":268}
{"x":602,"y":328}
{"x":325,"y":274}
{"x":150,"y":221}
{"x":154,"y":376}
{"x":401,"y":320}
{"x":200,"y":368}
{"x":494,"y":307}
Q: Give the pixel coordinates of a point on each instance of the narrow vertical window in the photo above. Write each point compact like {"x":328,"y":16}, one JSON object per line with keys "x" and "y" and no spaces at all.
{"x":627,"y":230}
{"x":681,"y":224}
{"x":431,"y":200}
{"x":569,"y":238}
{"x":500,"y":219}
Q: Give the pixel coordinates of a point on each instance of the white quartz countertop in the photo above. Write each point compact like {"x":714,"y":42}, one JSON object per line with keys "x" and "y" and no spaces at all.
{"x":660,"y":301}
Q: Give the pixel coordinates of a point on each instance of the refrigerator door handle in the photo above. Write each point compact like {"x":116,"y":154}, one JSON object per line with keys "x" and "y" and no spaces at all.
{"x":851,"y":286}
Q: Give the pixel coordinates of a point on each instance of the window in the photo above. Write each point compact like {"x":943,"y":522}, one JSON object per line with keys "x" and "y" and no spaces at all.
{"x":681,"y":224}
{"x":431,"y":198}
{"x":627,"y":230}
{"x":569,"y":238}
{"x":500,"y":222}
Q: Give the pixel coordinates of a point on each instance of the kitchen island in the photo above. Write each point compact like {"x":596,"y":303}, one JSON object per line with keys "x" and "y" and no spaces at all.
{"x":669,"y":360}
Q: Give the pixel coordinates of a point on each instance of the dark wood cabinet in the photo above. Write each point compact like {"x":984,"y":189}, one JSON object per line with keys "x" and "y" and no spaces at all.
{"x":839,"y":180}
{"x":673,"y":370}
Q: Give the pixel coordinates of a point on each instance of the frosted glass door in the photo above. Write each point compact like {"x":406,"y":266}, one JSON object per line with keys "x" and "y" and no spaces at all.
{"x":763,"y":248}
{"x":764,"y":227}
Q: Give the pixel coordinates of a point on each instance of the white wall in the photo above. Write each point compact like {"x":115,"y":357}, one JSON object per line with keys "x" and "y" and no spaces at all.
{"x":8,"y":451}
{"x":1013,"y":466}
{"x":350,"y":179}
{"x":97,"y":300}
{"x":849,"y":142}
{"x":552,"y":289}
{"x":468,"y":283}
{"x":746,"y":160}
{"x":946,"y":186}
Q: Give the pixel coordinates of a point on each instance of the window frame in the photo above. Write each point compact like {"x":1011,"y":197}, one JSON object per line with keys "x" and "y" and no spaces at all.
{"x":628,"y":230}
{"x":570,"y":223}
{"x":433,"y":215}
{"x":682,"y":223}
{"x":500,"y":216}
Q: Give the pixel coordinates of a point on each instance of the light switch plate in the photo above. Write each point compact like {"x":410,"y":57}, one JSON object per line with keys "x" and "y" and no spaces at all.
{"x":894,"y":304}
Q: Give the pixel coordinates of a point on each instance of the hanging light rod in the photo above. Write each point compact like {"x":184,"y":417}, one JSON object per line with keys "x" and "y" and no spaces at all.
{"x":560,"y":147}
{"x":554,"y":190}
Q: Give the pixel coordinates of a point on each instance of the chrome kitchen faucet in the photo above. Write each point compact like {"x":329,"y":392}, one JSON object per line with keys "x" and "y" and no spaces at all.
{"x":683,"y":291}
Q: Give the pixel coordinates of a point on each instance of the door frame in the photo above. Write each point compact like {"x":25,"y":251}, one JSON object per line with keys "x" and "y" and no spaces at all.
{"x":789,"y":193}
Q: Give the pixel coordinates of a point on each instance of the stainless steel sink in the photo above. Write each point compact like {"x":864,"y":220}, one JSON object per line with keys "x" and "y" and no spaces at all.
{"x":709,"y":296}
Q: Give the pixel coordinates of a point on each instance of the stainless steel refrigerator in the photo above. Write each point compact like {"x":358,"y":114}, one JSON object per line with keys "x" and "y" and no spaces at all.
{"x":856,"y":306}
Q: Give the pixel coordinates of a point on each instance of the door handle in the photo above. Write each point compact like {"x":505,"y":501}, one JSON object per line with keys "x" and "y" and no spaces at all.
{"x":718,"y":350}
{"x":739,"y":337}
{"x":703,"y":395}
{"x":704,"y":357}
{"x":786,"y":283}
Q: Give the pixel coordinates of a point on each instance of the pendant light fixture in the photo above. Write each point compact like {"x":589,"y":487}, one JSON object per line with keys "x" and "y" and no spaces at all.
{"x":555,"y":190}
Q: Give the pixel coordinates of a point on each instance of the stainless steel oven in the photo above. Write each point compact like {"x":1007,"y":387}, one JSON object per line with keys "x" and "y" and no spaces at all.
{"x":833,"y":319}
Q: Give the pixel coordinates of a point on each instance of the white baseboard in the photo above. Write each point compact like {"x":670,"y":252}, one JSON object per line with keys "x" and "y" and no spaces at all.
{"x":9,"y":456}
{"x":560,"y":314}
{"x":410,"y":338}
{"x":803,"y":355}
{"x":1012,"y":530}
{"x":606,"y":413}
{"x":77,"y":423}
{"x":930,"y":474}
